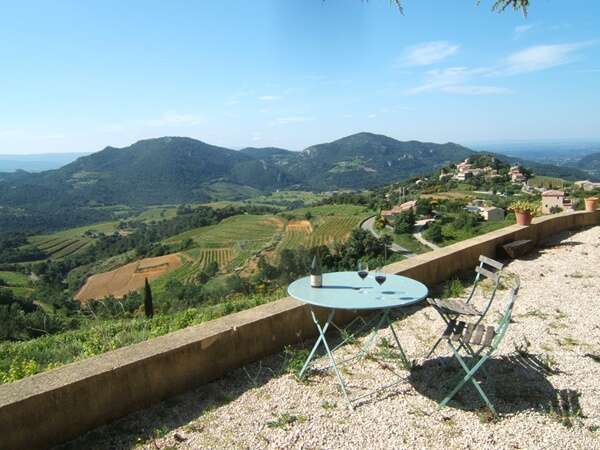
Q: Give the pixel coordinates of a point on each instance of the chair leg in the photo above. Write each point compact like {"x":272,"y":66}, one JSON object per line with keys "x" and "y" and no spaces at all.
{"x":473,"y":354}
{"x":470,"y":372}
{"x":434,"y":347}
{"x":437,"y":343}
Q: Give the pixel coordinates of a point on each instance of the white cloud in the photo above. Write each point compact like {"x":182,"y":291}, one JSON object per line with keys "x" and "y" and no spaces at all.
{"x":521,"y":30}
{"x":269,"y":98}
{"x":471,"y":89}
{"x":9,"y":133}
{"x":291,"y":120}
{"x":541,"y":57}
{"x":467,"y":81}
{"x":171,"y":118}
{"x":445,"y":79}
{"x":231,"y":102}
{"x":371,"y":116}
{"x":427,"y":53}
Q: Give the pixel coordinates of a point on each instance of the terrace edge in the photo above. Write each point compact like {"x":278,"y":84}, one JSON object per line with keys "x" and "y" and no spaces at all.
{"x":60,"y":404}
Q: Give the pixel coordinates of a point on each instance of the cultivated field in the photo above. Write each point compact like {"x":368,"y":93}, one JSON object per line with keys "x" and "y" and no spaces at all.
{"x":219,"y":255}
{"x":157,"y":213}
{"x":17,"y":282}
{"x":72,"y":241}
{"x":547,"y":182}
{"x":247,"y":229}
{"x":327,"y":231}
{"x":128,"y":278}
{"x":327,"y":224}
{"x":453,"y":195}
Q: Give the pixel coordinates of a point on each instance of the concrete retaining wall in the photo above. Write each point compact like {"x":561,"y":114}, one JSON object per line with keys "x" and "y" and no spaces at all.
{"x":60,"y":404}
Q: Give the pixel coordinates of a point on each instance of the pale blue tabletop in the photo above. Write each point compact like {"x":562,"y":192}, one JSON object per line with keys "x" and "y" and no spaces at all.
{"x":340,"y":290}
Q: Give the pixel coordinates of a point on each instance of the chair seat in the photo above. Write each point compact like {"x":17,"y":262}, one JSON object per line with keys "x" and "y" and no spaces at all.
{"x":469,"y":333}
{"x":453,"y":306}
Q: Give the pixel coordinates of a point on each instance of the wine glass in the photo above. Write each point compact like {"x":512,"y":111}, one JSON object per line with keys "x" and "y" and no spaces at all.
{"x":363,"y":271}
{"x":380,"y":277}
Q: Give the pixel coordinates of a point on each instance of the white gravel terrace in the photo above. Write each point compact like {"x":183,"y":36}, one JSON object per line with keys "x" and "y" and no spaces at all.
{"x":545,"y":382}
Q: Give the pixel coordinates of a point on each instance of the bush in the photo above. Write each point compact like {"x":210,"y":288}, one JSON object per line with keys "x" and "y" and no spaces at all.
{"x":434,"y":233}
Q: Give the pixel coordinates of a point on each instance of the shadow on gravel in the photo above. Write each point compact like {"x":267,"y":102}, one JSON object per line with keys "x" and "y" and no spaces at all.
{"x":516,"y":383}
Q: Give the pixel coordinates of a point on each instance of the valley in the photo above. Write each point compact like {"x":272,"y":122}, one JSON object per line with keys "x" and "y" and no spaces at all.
{"x":212,"y":239}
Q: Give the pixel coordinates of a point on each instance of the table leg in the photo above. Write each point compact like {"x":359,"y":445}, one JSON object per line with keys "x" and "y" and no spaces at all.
{"x":405,"y":361}
{"x":370,"y":339}
{"x":322,"y":339}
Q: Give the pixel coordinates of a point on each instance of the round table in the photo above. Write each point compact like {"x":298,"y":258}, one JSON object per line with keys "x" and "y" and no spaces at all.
{"x":347,"y":291}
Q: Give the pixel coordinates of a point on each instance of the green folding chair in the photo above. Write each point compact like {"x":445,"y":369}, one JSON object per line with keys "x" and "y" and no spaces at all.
{"x":486,"y":338}
{"x":451,"y":309}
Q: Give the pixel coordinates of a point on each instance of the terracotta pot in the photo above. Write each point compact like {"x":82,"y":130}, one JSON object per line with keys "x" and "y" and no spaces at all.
{"x":591,"y":204}
{"x":523,"y":218}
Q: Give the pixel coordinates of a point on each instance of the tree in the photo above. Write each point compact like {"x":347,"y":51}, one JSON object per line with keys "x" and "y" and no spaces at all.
{"x":499,"y":5}
{"x":424,"y":206}
{"x":404,"y":222}
{"x":379,"y":222}
{"x":434,"y":233}
{"x":148,"y":307}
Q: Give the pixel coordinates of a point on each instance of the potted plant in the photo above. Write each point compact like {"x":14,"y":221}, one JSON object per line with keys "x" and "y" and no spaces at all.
{"x":524,"y":211}
{"x":591,"y":204}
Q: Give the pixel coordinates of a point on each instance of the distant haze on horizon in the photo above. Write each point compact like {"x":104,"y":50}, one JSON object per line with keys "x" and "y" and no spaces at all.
{"x":294,"y":74}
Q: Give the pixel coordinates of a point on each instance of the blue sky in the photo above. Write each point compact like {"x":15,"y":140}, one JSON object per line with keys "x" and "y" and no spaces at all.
{"x":78,"y":76}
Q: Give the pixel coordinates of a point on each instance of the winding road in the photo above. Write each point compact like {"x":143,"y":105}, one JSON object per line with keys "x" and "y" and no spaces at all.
{"x":418,"y":233}
{"x":369,"y":225}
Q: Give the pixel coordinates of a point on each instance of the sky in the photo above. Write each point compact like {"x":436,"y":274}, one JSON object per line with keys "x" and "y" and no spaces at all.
{"x":79,"y":76}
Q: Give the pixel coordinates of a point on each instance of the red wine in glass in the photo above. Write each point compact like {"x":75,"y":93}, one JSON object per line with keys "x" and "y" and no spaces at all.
{"x":363,"y":271}
{"x":380,"y":278}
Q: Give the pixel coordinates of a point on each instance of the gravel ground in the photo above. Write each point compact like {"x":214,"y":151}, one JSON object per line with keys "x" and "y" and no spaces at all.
{"x":546,"y":382}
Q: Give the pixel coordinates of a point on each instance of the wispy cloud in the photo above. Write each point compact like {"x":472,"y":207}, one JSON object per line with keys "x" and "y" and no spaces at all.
{"x":173,"y":118}
{"x":467,"y":80}
{"x":291,"y":120}
{"x":371,"y":116}
{"x":269,"y":98}
{"x":232,"y":102}
{"x":471,"y":89}
{"x":541,"y":57}
{"x":428,"y":53}
{"x":521,"y":30}
{"x":452,"y":80}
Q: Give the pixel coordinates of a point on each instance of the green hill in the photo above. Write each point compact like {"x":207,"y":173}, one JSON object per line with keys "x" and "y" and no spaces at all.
{"x":366,"y":159}
{"x":163,"y":170}
{"x":591,"y":165}
{"x":174,"y":170}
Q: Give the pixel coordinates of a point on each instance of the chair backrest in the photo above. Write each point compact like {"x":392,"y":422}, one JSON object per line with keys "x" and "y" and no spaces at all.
{"x":490,"y":269}
{"x":506,"y":315}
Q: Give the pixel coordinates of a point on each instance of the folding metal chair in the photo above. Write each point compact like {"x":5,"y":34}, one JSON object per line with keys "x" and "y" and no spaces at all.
{"x":451,"y":309}
{"x":487,"y":338}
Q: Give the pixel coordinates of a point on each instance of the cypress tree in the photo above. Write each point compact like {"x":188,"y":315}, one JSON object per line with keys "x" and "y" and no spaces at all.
{"x":148,"y":307}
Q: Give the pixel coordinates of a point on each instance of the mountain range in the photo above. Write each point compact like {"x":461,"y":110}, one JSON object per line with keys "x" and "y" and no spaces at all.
{"x":180,"y":169}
